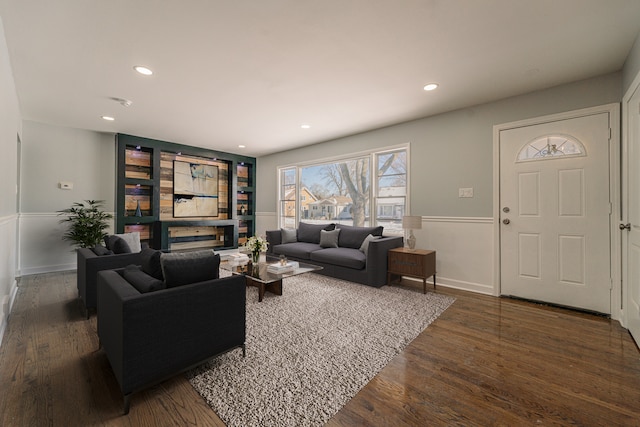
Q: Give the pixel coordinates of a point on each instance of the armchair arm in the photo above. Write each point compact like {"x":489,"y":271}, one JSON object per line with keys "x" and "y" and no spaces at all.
{"x":89,"y":264}
{"x":377,"y":258}
{"x":112,"y":291}
{"x":274,"y":237}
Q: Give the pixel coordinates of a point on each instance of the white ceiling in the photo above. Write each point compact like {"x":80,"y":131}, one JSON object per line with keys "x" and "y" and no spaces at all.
{"x":251,"y":72}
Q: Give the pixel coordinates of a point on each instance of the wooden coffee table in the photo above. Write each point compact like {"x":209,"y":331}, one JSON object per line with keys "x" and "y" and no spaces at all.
{"x":258,"y":275}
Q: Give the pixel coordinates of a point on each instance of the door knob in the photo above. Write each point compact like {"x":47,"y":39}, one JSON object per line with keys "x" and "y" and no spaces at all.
{"x":626,"y":226}
{"x":506,"y":221}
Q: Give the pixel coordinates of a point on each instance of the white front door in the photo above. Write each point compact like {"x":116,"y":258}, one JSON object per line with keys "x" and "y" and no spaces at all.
{"x":631,"y":261}
{"x":555,"y":209}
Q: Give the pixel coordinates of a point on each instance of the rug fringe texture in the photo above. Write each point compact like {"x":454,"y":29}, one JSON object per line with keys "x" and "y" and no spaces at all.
{"x":312,"y":349}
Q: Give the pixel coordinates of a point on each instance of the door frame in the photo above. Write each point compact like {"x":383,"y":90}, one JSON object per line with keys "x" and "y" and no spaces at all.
{"x":626,"y":99}
{"x":614,"y":193}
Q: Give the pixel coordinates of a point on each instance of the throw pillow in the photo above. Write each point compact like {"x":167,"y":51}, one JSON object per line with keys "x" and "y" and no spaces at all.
{"x":150,"y":262}
{"x":101,"y":250}
{"x":119,"y":245}
{"x":108,"y":240}
{"x":133,"y":239}
{"x":329,"y":239}
{"x":310,"y":233}
{"x":141,"y":280}
{"x":365,"y":244}
{"x":352,"y":237}
{"x":183,"y":268}
{"x":289,"y":235}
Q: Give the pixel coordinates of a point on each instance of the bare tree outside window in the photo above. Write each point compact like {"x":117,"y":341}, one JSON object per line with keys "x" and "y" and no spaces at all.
{"x":341,"y":191}
{"x":356,"y":178}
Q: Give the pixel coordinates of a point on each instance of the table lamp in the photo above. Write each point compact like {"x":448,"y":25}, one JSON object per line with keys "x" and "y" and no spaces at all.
{"x":411,"y":223}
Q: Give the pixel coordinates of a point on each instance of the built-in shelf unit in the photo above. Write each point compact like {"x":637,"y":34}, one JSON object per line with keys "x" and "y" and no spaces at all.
{"x":145,"y":196}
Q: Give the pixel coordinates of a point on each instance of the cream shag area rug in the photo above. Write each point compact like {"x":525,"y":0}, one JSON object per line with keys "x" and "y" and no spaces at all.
{"x":312,"y":349}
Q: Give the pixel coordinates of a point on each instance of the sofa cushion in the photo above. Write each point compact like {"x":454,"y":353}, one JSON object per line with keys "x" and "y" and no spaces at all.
{"x":289,"y":235}
{"x":132,"y":239}
{"x":119,"y":245}
{"x":300,"y":250}
{"x":344,"y":257}
{"x":101,"y":250}
{"x":365,"y":243}
{"x":329,"y":239}
{"x":352,"y":237}
{"x":150,"y":262}
{"x":310,"y":233}
{"x":182,"y":268}
{"x":140,"y":280}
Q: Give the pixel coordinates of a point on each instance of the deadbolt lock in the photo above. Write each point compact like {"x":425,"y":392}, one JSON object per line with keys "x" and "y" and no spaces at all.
{"x":506,"y":209}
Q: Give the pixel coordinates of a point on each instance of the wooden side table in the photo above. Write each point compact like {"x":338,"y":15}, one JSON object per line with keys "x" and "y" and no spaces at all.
{"x":420,"y":263}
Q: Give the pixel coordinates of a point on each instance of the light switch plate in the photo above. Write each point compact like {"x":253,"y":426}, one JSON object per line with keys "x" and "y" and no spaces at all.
{"x":65,"y":185}
{"x":465,"y":192}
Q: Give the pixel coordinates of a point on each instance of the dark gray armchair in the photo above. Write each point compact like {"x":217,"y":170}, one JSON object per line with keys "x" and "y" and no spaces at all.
{"x":150,"y":337}
{"x":89,"y":264}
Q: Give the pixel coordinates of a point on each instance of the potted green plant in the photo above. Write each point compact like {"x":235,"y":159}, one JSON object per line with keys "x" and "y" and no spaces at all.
{"x":87,"y":223}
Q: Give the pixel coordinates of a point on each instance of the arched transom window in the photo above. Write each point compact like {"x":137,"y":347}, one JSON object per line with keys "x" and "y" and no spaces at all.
{"x":551,"y":147}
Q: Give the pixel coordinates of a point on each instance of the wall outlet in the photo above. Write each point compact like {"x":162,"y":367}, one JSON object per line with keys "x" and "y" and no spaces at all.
{"x":465,"y":192}
{"x":65,"y":185}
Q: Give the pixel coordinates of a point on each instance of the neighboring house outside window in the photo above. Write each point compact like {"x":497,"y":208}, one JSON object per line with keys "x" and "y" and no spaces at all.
{"x":346,"y":190}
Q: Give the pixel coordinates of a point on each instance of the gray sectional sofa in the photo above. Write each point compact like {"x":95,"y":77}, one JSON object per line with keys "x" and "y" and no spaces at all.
{"x":357,"y":254}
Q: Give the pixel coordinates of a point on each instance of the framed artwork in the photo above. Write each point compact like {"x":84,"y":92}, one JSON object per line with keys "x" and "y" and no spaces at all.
{"x":195,"y":189}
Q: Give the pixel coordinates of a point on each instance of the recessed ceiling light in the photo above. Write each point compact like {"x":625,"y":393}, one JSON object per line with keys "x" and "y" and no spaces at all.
{"x":431,"y":86}
{"x":305,"y":126}
{"x":108,"y":118}
{"x":242,"y":146}
{"x":143,"y":70}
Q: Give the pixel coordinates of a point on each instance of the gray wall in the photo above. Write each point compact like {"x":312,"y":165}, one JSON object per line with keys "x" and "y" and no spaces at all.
{"x":9,"y":131}
{"x":450,"y":150}
{"x":631,"y":66}
{"x":51,"y":154}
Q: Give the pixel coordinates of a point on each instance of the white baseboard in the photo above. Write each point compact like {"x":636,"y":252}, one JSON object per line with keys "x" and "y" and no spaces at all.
{"x":7,"y":306}
{"x":47,"y":269}
{"x":446,"y":282}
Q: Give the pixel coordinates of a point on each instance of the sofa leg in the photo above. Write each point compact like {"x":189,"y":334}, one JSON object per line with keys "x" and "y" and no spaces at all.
{"x":85,"y":310}
{"x":127,"y":403}
{"x":244,"y":350}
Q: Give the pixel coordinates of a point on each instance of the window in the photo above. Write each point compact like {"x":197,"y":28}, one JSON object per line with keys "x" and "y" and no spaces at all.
{"x":391,"y":189}
{"x":550,"y":147}
{"x":347,"y":190}
{"x":287,"y":197}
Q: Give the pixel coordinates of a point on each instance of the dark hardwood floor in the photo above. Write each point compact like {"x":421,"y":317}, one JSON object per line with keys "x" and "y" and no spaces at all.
{"x":486,"y":361}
